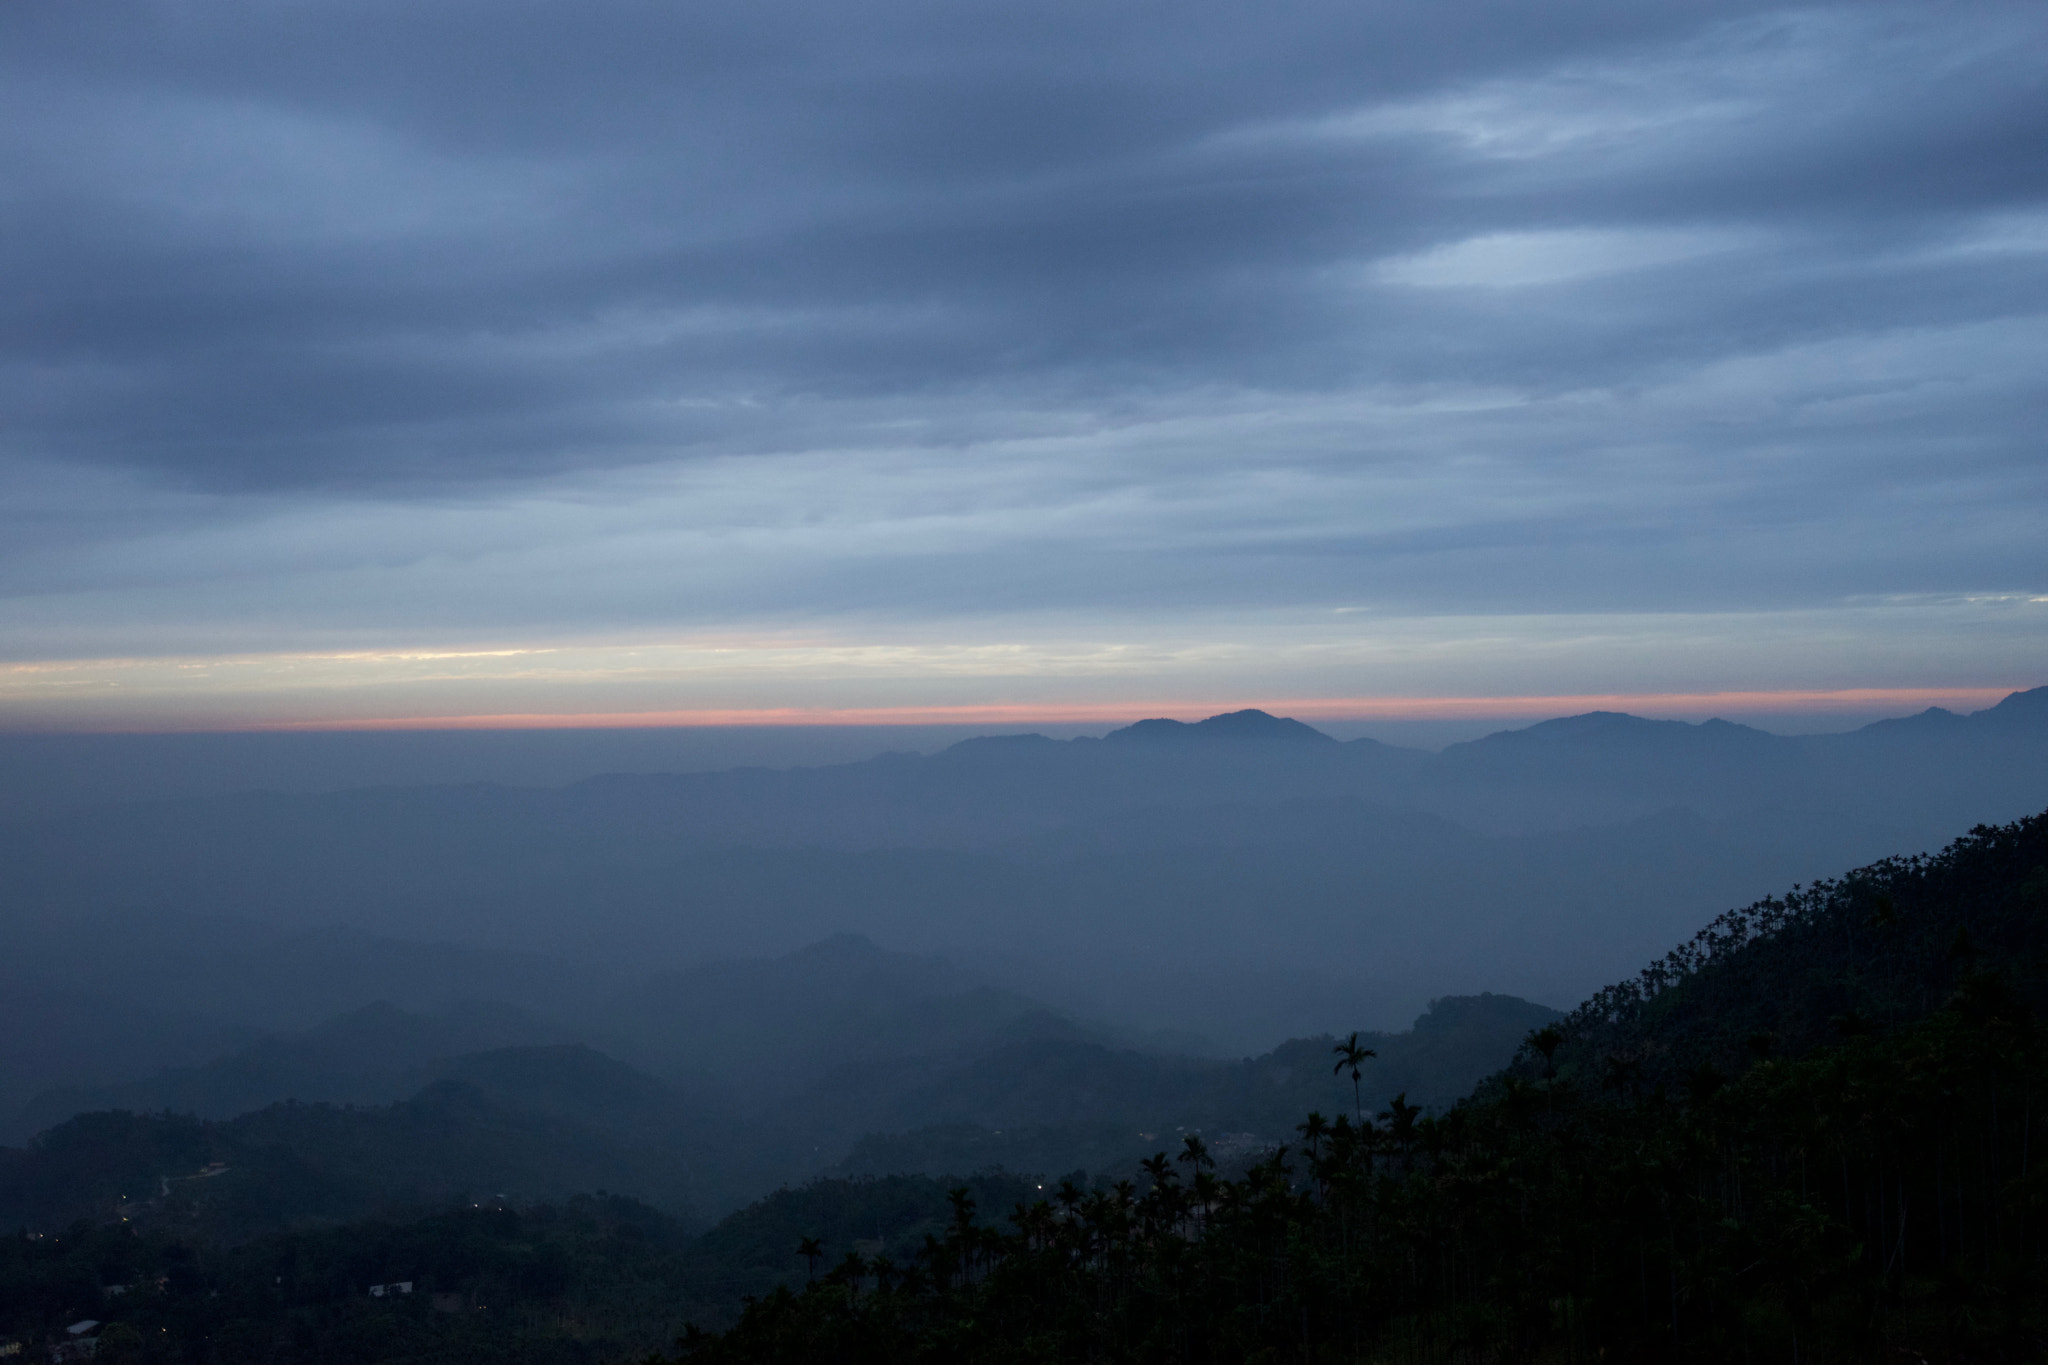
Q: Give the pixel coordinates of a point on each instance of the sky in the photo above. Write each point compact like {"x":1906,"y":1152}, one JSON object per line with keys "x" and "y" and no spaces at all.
{"x":622,"y":362}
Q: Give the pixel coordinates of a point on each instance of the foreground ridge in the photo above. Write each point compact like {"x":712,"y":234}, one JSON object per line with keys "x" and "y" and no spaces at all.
{"x":1805,"y":1134}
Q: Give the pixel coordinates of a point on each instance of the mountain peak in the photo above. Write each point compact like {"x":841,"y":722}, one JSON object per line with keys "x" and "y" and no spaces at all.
{"x":1248,"y":726}
{"x":2022,"y":708}
{"x":1602,"y":729}
{"x":1000,"y":746}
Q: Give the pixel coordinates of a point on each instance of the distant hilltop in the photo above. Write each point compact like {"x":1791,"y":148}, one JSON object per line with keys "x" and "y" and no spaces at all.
{"x":1539,"y":861}
{"x":1248,"y":725}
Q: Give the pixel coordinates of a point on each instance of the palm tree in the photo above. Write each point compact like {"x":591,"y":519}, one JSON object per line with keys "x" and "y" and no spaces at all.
{"x":1350,"y":1054}
{"x":811,"y":1249}
{"x":1400,"y":1116}
{"x":1547,"y":1040}
{"x":1313,"y":1132}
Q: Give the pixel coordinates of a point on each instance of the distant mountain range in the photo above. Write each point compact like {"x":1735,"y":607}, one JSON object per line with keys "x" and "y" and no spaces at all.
{"x":373,"y":1055}
{"x":295,"y":1164}
{"x":371,"y":1112}
{"x":1194,"y":888}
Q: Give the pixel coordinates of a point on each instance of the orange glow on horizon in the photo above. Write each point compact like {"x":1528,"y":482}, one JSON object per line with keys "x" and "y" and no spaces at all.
{"x":1302,"y":708}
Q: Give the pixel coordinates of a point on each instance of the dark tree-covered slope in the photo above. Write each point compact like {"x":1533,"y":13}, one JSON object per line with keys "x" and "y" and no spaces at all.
{"x":1807,"y":1135}
{"x":1055,"y":1105}
{"x":1865,"y":953}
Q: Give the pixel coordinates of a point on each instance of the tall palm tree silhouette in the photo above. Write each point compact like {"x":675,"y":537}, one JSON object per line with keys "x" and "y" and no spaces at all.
{"x":1350,"y":1054}
{"x":810,"y":1249}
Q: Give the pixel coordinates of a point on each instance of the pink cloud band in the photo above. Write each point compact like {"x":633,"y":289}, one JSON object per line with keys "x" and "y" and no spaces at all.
{"x":1872,"y":699}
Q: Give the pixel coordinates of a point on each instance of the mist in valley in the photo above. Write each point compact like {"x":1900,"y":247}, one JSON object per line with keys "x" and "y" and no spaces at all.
{"x":1015,"y":951}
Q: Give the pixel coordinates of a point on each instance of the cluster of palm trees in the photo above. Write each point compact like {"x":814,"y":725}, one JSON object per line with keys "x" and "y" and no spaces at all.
{"x":1117,"y":1260}
{"x":1092,"y":1227}
{"x":1679,"y":1223}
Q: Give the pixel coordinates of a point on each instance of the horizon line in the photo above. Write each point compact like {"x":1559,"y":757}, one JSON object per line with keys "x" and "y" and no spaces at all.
{"x":1328,"y":709}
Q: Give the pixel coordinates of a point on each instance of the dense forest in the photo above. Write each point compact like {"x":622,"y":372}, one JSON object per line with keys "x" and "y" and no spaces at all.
{"x":590,"y":1278}
{"x":1805,"y":1135}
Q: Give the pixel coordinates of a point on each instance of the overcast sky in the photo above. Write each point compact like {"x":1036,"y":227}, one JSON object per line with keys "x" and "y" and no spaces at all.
{"x":429,"y":359}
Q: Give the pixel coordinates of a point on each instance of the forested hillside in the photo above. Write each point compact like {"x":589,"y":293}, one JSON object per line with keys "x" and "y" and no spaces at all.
{"x":530,"y":1124}
{"x":1805,"y":1135}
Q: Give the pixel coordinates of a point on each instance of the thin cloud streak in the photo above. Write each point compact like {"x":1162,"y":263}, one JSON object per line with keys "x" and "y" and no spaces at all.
{"x":1680,"y":705}
{"x":1056,"y":661}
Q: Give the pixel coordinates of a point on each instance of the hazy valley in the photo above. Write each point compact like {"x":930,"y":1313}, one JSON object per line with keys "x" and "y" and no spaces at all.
{"x":698,"y":1012}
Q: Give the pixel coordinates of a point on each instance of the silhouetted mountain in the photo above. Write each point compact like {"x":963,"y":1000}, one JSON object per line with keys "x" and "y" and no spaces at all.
{"x":62,"y":1033}
{"x":757,"y":1043}
{"x":373,"y":1055}
{"x":2028,"y":708}
{"x":1074,"y":1104}
{"x":873,"y":1042}
{"x":1238,"y":727}
{"x":1539,"y":861}
{"x":295,"y":1164}
{"x":523,"y":1123}
{"x":570,"y":1081}
{"x":841,"y":1006}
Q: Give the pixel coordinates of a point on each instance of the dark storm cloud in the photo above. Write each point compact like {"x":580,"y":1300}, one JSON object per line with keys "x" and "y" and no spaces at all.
{"x":1061,"y":326}
{"x":347,"y":245}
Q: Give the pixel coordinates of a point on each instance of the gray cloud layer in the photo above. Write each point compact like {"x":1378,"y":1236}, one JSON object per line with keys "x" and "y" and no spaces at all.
{"x":640,"y":316}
